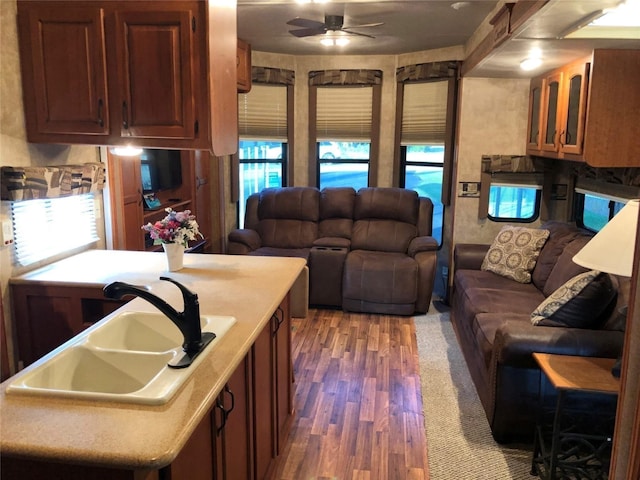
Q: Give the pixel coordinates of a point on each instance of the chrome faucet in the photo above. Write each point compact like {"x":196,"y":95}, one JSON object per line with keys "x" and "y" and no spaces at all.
{"x":187,"y":321}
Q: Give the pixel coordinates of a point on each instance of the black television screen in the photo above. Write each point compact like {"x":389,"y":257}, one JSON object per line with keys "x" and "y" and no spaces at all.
{"x":160,"y":170}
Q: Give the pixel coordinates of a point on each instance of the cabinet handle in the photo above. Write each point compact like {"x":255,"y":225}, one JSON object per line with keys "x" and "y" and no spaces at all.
{"x":125,"y":116}
{"x":233,"y":400}
{"x":278,"y":318}
{"x":224,"y":411}
{"x":567,"y":138}
{"x":562,"y":136}
{"x":100,"y":119}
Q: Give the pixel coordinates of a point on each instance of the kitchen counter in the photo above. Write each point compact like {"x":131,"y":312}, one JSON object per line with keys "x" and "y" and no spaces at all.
{"x":141,"y":437}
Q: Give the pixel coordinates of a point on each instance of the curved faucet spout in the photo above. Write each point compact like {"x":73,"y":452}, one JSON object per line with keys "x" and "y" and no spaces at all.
{"x":187,"y":321}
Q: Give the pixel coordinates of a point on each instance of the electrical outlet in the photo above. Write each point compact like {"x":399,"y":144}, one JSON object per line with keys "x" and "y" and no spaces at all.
{"x":7,"y":233}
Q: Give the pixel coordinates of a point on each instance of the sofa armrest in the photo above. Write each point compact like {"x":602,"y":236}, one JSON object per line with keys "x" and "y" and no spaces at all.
{"x":469,"y":256}
{"x":422,"y":244}
{"x":243,"y":240}
{"x":516,"y":341}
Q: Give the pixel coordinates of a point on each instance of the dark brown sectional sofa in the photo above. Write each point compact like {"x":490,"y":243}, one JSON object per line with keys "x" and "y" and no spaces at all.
{"x":491,"y":315}
{"x":367,"y":251}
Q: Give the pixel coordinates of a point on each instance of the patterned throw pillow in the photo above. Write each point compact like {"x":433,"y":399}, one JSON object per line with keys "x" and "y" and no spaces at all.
{"x":581,"y":302}
{"x":514,"y":252}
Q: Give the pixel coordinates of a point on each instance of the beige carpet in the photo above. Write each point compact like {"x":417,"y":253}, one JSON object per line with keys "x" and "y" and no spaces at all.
{"x":459,"y":441}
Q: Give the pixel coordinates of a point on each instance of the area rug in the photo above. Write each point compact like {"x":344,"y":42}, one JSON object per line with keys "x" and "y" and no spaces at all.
{"x":459,"y":441}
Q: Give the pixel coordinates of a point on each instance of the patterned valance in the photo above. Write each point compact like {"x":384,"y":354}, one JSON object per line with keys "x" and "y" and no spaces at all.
{"x":345,"y":77}
{"x":27,"y":183}
{"x":510,"y":164}
{"x":427,"y":71}
{"x":272,"y":76}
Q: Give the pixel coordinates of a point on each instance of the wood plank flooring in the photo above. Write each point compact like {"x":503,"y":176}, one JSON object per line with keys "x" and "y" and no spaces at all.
{"x":358,"y":402}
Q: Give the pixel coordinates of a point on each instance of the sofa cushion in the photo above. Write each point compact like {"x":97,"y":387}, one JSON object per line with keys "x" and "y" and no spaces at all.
{"x":466,"y":279}
{"x":395,"y":204}
{"x":492,"y":300}
{"x":382,"y":235}
{"x":560,"y":235}
{"x":514,"y":252}
{"x":336,"y":212}
{"x":579,"y":303}
{"x":282,"y":252}
{"x":565,"y":268}
{"x":292,"y":203}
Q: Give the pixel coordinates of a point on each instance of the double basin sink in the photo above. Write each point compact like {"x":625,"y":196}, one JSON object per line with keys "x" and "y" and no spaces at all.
{"x":122,"y":359}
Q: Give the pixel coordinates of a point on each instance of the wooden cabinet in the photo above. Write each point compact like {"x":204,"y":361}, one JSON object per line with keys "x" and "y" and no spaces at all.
{"x":128,"y":212}
{"x":116,"y":73}
{"x":244,"y":66}
{"x":64,"y":72}
{"x":46,"y":316}
{"x":587,"y":111}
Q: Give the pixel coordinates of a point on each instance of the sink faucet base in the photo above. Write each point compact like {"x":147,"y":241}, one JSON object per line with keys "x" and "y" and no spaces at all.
{"x":187,"y":358}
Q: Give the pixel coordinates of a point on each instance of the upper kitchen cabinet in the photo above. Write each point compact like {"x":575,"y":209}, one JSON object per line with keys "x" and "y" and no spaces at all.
{"x":244,"y":66}
{"x":153,"y":74}
{"x":587,"y":111}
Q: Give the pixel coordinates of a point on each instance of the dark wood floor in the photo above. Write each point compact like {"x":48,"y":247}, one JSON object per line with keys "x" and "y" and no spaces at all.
{"x":358,"y":402}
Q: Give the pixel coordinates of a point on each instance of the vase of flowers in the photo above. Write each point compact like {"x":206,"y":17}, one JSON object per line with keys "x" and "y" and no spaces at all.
{"x":173,"y":232}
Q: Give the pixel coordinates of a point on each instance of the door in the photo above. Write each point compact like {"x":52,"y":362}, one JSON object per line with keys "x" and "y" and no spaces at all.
{"x":154,"y":53}
{"x":64,"y":66}
{"x":133,"y":237}
{"x":534,"y":136}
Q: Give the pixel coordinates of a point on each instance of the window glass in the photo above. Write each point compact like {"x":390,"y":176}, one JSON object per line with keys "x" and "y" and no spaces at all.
{"x":423,"y":173}
{"x":595,"y":211}
{"x":262,"y":165}
{"x":47,"y":227}
{"x":343,"y":164}
{"x":514,"y":203}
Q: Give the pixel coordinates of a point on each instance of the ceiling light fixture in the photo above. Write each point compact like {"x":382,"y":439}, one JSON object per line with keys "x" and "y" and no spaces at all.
{"x":533,"y":61}
{"x":459,"y":5}
{"x":332,"y":38}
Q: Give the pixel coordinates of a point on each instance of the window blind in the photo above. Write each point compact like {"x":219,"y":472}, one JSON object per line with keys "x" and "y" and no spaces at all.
{"x":424,"y":113}
{"x":47,"y":227}
{"x":344,"y":113}
{"x":262,"y":113}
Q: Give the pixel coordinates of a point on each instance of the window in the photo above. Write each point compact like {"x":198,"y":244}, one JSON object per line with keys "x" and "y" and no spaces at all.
{"x":514,"y":203}
{"x":343,"y":131}
{"x":262,"y":165}
{"x":262,"y":150}
{"x":423,"y":130}
{"x":48,"y":227}
{"x":594,"y":210}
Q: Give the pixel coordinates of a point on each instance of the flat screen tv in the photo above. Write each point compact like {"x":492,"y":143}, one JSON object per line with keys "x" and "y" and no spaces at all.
{"x":160,"y":170}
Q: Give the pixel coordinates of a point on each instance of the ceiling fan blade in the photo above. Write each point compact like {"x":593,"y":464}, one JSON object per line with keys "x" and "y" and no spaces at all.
{"x":350,"y":32}
{"x":305,"y":23}
{"x":307,"y":32}
{"x":366,"y":25}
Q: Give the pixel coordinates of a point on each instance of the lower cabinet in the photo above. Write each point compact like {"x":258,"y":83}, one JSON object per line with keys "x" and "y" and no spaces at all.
{"x":246,"y":430}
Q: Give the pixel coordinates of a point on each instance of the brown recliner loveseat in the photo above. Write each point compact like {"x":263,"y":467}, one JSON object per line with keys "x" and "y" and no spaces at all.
{"x":367,"y":251}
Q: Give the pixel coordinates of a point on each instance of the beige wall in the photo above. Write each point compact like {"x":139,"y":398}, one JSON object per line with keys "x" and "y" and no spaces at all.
{"x":15,"y":151}
{"x":492,"y":120}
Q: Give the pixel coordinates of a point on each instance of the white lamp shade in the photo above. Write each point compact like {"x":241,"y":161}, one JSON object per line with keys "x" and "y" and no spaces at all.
{"x":611,"y":249}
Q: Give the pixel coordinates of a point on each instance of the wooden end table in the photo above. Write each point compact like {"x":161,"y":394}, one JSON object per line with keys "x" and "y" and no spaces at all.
{"x":573,"y":453}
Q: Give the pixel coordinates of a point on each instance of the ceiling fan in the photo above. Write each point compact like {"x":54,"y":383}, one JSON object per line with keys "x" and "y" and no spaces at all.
{"x":332,"y":23}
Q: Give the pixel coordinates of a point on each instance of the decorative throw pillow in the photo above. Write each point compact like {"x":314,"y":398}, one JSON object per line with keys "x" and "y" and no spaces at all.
{"x":514,"y":252}
{"x":582,"y":302}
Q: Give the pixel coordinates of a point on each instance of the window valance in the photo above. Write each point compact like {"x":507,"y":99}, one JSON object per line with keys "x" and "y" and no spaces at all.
{"x":325,"y":78}
{"x":427,"y":71}
{"x":27,"y":183}
{"x":272,"y":76}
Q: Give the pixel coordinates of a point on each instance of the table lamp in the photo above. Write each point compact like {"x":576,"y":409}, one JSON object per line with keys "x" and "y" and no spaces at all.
{"x":611,"y":250}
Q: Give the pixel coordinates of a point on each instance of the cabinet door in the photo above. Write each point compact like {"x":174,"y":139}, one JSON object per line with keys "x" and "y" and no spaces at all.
{"x":132,"y":208}
{"x":283,"y":374}
{"x":202,"y":194}
{"x":154,"y":52}
{"x":534,"y":135}
{"x":263,"y":404}
{"x":234,"y":436}
{"x":552,"y":93}
{"x":244,"y":66}
{"x":64,"y":71}
{"x":574,"y":108}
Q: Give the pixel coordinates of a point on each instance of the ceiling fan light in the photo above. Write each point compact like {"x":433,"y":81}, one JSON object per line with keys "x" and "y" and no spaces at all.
{"x":327,"y":41}
{"x":341,"y":42}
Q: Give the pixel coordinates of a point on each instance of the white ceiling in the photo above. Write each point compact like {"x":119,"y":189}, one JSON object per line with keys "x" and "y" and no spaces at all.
{"x":416,"y":25}
{"x":409,"y":26}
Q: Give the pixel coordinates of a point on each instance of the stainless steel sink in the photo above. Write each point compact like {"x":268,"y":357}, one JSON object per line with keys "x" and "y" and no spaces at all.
{"x":123,"y":359}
